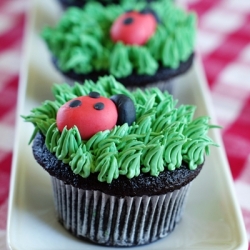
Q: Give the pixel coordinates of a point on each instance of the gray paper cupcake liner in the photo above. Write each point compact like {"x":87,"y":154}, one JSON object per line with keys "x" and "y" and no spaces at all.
{"x":165,"y":85}
{"x":114,"y":221}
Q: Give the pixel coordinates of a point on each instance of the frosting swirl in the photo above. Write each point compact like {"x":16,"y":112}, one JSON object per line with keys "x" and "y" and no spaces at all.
{"x":162,"y":136}
{"x":79,"y":47}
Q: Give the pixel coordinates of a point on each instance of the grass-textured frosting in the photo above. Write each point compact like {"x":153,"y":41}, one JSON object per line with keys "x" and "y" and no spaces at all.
{"x":81,"y":40}
{"x":161,"y":137}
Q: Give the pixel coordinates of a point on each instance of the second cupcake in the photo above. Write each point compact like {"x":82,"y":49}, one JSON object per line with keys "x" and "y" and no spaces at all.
{"x":142,"y":44}
{"x":121,"y":162}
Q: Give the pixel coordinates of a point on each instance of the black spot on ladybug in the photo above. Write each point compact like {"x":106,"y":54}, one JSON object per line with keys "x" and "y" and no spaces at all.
{"x":125,"y":108}
{"x":99,"y":106}
{"x":75,"y":103}
{"x":128,"y":20}
{"x":94,"y":94}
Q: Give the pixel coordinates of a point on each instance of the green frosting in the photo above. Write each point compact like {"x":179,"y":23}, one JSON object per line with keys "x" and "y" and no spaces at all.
{"x":162,"y":136}
{"x":81,"y":40}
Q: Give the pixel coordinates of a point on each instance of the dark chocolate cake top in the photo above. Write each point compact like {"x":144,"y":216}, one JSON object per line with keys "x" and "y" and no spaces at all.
{"x":163,"y":137}
{"x":144,"y":184}
{"x":134,"y":37}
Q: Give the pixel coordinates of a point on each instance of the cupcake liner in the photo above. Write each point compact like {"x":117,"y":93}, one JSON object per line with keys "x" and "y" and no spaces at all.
{"x":117,"y":221}
{"x":164,"y":85}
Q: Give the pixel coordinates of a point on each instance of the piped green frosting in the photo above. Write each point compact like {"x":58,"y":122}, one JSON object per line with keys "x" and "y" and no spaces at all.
{"x":81,"y":39}
{"x":162,"y":136}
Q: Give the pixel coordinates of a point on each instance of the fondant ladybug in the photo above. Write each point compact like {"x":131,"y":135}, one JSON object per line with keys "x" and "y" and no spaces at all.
{"x":133,"y":27}
{"x":94,"y":113}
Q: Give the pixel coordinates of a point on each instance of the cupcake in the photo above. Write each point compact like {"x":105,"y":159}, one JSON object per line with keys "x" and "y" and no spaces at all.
{"x":121,"y":162}
{"x":143,"y":44}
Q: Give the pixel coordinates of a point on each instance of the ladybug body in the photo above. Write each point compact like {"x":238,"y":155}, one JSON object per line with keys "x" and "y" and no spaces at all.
{"x":133,"y":28}
{"x":90,"y":115}
{"x":94,"y":113}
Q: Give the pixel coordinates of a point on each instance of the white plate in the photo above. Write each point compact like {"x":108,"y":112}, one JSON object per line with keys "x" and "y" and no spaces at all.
{"x":212,"y":218}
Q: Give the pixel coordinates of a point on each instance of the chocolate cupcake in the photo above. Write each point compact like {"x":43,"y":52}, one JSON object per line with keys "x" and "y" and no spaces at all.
{"x":142,"y":44}
{"x":121,"y":162}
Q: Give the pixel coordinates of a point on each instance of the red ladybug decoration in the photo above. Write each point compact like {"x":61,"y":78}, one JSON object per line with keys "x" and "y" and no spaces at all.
{"x":133,"y":27}
{"x":94,"y":113}
{"x":90,"y":114}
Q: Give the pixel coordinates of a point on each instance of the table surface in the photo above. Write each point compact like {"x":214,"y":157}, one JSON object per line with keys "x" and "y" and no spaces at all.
{"x":224,"y":42}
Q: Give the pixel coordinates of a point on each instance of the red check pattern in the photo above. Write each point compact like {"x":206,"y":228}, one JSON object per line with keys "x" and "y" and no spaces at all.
{"x":12,"y":16}
{"x":224,"y":42}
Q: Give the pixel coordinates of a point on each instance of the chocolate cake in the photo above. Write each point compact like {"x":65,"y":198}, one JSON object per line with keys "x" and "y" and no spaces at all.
{"x":142,"y":81}
{"x":121,"y":162}
{"x":167,"y":181}
{"x":142,"y":43}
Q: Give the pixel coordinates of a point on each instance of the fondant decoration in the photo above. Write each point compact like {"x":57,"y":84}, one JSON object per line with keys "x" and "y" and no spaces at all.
{"x":94,"y":113}
{"x":133,"y":27}
{"x":90,"y":114}
{"x":126,"y":109}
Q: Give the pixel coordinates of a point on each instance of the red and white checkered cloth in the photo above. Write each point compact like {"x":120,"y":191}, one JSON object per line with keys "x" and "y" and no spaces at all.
{"x":12,"y":15}
{"x":224,"y":41}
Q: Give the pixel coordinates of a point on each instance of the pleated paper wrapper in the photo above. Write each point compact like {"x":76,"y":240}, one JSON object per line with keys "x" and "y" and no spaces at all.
{"x":117,"y":221}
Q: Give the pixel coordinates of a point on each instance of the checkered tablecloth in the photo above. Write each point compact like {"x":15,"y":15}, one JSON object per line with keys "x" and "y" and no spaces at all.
{"x":224,"y":42}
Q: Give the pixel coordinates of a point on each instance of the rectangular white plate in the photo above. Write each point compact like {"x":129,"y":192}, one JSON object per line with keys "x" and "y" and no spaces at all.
{"x":212,"y":218}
